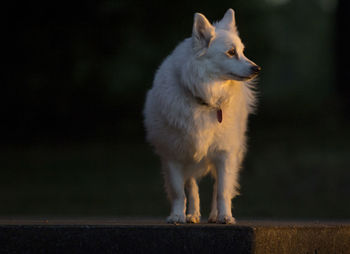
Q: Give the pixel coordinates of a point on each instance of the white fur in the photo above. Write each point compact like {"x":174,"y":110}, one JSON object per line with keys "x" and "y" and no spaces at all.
{"x":185,"y":133}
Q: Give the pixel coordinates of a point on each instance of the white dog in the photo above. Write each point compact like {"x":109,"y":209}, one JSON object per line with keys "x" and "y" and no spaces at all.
{"x":196,"y":117}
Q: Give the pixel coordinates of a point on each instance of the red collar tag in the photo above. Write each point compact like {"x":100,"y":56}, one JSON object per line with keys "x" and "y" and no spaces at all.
{"x":219,"y":115}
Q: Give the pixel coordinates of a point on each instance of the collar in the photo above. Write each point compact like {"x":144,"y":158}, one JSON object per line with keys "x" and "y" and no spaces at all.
{"x":202,"y":102}
{"x":199,"y":100}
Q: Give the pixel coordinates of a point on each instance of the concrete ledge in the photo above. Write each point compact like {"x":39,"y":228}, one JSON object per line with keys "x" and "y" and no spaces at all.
{"x":153,"y":236}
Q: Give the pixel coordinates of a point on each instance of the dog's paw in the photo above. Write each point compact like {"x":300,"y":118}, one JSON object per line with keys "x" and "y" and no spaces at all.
{"x":212,"y":218}
{"x":191,"y":218}
{"x":225,"y":219}
{"x":176,"y":219}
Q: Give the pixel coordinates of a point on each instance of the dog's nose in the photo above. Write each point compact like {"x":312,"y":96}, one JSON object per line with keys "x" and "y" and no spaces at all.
{"x":255,"y":68}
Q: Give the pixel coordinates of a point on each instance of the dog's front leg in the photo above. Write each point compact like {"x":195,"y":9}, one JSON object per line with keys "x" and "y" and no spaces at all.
{"x":227,"y":172}
{"x":193,"y":213}
{"x":174,"y":182}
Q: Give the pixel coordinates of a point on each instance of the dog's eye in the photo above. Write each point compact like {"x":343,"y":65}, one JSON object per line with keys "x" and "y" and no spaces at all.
{"x":231,"y":52}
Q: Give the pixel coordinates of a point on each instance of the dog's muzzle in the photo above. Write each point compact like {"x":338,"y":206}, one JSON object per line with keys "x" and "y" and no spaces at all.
{"x":254,"y":70}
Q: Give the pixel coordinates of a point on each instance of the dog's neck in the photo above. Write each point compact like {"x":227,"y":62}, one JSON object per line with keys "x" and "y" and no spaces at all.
{"x":217,"y":106}
{"x":212,"y":95}
{"x":194,"y":97}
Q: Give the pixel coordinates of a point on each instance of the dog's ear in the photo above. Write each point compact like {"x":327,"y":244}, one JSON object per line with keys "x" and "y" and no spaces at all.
{"x":202,"y":34}
{"x":228,"y":22}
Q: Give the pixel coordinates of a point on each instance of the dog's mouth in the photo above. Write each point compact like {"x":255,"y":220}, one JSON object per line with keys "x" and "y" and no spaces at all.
{"x":241,"y":78}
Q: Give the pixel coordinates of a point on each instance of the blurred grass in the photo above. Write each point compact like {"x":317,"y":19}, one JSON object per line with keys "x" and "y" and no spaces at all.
{"x":288,"y":173}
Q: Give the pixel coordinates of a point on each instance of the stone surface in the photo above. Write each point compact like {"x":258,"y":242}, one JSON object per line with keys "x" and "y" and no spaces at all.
{"x":154,"y":236}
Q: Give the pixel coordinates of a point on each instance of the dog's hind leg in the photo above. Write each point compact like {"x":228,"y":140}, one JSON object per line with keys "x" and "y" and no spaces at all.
{"x":193,"y":210}
{"x":174,"y":183}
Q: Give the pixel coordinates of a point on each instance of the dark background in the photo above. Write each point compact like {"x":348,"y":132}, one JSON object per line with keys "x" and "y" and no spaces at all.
{"x":75,"y":77}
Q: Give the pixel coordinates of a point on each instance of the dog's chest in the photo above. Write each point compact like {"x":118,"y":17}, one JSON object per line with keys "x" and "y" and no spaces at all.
{"x":210,"y":134}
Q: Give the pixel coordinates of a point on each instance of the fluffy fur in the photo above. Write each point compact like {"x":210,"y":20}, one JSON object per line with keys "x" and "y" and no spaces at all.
{"x":206,"y":73}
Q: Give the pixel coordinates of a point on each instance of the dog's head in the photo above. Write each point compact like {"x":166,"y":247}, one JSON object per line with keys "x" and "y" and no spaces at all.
{"x":220,"y":50}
